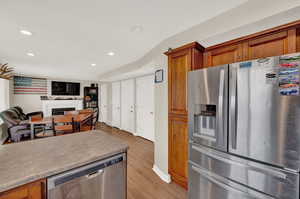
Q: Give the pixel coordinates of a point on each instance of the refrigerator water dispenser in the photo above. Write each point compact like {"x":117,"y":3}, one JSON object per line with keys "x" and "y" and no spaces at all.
{"x":205,"y":122}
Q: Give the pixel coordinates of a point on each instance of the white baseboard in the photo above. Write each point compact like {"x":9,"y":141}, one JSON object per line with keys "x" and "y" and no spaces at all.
{"x":165,"y":177}
{"x":109,"y":123}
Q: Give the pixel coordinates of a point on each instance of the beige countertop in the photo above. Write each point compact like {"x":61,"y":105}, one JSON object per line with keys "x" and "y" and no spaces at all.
{"x":28,"y":161}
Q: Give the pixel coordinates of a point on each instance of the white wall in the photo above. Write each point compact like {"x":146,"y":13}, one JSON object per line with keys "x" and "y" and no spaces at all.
{"x":4,"y":94}
{"x":4,"y":104}
{"x":161,"y":121}
{"x":31,"y":103}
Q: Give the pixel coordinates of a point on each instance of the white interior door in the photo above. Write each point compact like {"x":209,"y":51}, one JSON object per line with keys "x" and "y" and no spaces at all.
{"x":116,"y":104}
{"x":145,"y":107}
{"x":103,"y":103}
{"x":127,"y":105}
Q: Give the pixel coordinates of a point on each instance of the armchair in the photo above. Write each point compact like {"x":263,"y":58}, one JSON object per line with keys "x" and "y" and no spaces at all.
{"x":16,"y":128}
{"x":17,"y":122}
{"x":27,"y":116}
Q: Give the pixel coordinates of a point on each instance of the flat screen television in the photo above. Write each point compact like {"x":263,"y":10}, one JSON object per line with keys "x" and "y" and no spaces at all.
{"x":65,"y":88}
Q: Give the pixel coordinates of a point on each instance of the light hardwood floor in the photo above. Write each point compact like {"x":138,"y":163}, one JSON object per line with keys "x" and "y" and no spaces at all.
{"x":142,"y":182}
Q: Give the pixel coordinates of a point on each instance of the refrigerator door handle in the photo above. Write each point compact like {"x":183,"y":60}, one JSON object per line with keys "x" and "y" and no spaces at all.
{"x":236,"y":111}
{"x":234,"y":108}
{"x":220,"y":121}
{"x":218,"y":181}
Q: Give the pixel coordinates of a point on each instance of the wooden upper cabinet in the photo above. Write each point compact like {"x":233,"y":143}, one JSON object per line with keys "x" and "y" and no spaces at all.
{"x":275,"y":44}
{"x":223,"y":55}
{"x":34,"y":190}
{"x":180,"y":62}
{"x":259,"y":45}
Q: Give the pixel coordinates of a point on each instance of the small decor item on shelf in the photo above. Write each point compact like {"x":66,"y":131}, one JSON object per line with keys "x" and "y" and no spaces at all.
{"x":87,"y":98}
{"x":44,"y":98}
{"x":159,"y":76}
{"x":5,"y":71}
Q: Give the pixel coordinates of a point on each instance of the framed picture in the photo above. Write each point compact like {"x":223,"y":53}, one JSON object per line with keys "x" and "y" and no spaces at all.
{"x":159,"y":76}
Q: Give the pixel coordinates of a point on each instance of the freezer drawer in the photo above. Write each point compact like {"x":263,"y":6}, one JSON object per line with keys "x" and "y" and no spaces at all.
{"x":278,"y":183}
{"x":207,"y":107}
{"x":101,"y":180}
{"x":207,"y":185}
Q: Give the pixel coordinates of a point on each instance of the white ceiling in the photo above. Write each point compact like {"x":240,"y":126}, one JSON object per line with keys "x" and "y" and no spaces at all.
{"x":148,"y":69}
{"x":250,"y":17}
{"x":69,"y":35}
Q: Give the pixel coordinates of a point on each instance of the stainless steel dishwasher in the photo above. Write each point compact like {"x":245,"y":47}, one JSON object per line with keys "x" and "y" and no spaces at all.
{"x":105,"y":179}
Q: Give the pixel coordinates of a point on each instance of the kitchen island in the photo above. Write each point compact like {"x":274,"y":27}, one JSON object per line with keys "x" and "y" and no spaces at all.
{"x":35,"y":161}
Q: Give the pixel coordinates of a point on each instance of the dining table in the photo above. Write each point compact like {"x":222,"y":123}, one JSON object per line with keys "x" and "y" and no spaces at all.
{"x":78,"y":118}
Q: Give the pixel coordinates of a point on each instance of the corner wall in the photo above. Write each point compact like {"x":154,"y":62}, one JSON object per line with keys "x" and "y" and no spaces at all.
{"x":4,"y":104}
{"x":161,"y":122}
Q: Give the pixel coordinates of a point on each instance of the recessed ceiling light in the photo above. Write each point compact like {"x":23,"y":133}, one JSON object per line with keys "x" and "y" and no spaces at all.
{"x":93,"y":64}
{"x":30,"y":54}
{"x":111,"y":53}
{"x":26,"y":32}
{"x":136,"y":28}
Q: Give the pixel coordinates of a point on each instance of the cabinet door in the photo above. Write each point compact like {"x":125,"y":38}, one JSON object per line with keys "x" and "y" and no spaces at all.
{"x":298,"y":40}
{"x":35,"y":190}
{"x":178,"y":150}
{"x":179,"y":65}
{"x":103,"y":103}
{"x":145,"y":107}
{"x":127,"y":105}
{"x":271,"y":45}
{"x":223,"y":55}
{"x":16,"y":194}
{"x":116,"y":104}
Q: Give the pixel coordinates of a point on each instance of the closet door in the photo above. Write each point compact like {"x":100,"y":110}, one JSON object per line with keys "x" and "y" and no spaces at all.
{"x":116,"y":105}
{"x":127,"y":105}
{"x":103,"y":103}
{"x":145,"y":107}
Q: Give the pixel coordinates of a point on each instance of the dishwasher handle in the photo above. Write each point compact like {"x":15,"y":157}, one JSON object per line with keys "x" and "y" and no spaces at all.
{"x":88,"y":171}
{"x":94,"y":174}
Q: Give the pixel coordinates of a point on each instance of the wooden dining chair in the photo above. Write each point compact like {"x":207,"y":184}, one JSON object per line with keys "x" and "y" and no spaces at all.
{"x":87,"y":124}
{"x":95,"y":117}
{"x":91,"y":123}
{"x":38,"y":128}
{"x":35,"y":118}
{"x":63,"y":125}
{"x":84,"y":111}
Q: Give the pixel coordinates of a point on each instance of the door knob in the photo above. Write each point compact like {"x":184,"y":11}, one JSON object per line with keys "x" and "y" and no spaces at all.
{"x":151,"y":112}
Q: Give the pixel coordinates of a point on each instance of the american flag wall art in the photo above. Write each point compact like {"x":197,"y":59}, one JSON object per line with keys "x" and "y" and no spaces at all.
{"x":29,"y":85}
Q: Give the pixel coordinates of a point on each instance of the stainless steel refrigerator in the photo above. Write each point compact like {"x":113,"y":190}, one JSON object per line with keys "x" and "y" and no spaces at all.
{"x":244,"y":130}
